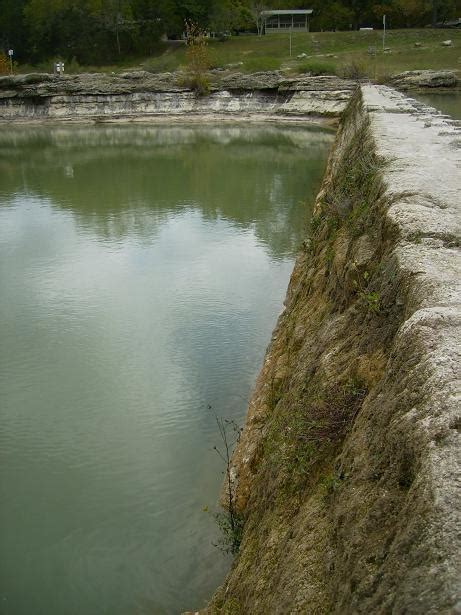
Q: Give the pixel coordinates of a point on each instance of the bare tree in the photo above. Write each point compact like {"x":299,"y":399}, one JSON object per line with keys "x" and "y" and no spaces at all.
{"x":230,"y":522}
{"x":115,"y":17}
{"x":256,"y":9}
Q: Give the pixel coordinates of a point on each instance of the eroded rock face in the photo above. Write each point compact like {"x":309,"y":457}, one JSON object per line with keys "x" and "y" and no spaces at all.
{"x":91,"y":84}
{"x":348,"y":472}
{"x":142,"y":94}
{"x":414,"y":79}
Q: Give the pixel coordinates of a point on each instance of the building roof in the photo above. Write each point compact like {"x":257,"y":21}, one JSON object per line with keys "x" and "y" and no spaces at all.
{"x":297,"y":12}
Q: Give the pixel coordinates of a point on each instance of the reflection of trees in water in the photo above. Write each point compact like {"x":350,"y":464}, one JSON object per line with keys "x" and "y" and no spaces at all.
{"x":65,"y":137}
{"x":122,"y":180}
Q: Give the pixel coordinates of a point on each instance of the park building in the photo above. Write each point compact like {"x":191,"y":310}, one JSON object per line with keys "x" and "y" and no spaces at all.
{"x":285,"y":21}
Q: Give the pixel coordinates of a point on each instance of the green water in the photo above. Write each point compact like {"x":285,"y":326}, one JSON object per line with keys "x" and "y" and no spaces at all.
{"x":141,"y":273}
{"x":446,"y":102}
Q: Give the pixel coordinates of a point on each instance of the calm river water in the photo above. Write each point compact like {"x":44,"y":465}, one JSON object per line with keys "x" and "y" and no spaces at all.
{"x":446,"y":102}
{"x":141,"y":273}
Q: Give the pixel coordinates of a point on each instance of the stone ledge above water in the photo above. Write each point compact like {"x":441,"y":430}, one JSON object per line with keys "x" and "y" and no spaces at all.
{"x":141,"y":94}
{"x":364,"y":518}
{"x":426,"y":79}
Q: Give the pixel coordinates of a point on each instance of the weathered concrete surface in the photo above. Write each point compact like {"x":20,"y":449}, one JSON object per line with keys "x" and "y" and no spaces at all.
{"x":141,"y":94}
{"x":348,"y":471}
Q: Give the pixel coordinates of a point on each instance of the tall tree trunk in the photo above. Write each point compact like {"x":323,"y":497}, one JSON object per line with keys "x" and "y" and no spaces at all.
{"x":434,"y":13}
{"x":117,"y":37}
{"x":117,"y":24}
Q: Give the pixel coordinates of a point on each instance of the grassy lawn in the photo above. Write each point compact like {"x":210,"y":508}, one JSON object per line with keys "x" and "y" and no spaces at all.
{"x":330,"y":52}
{"x":327,"y":52}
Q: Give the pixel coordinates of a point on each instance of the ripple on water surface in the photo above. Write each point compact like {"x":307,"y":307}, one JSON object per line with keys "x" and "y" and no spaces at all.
{"x":141,"y":273}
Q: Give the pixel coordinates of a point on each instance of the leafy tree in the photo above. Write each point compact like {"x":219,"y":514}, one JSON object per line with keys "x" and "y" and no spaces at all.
{"x":196,"y":11}
{"x":361,"y":11}
{"x":228,"y":15}
{"x":412,"y":12}
{"x":13,"y":33}
{"x":443,"y":10}
{"x":332,"y":15}
{"x":115,"y":17}
{"x":95,"y":31}
{"x":256,"y":7}
{"x":152,"y":20}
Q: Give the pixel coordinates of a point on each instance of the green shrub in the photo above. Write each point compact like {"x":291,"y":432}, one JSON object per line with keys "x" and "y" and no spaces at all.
{"x":4,"y":64}
{"x":357,"y":180}
{"x":200,"y":84}
{"x":300,"y":433}
{"x":230,"y":521}
{"x":354,"y":70}
{"x":317,"y":67}
{"x":198,"y":60}
{"x":73,"y":67}
{"x":231,"y":532}
{"x":370,"y":299}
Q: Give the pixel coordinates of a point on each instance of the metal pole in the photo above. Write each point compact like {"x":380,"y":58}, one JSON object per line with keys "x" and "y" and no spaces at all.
{"x":291,"y":35}
{"x":10,"y":53}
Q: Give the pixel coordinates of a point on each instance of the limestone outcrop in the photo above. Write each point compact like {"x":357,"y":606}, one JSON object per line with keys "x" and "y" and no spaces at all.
{"x":140,"y":95}
{"x":421,"y":79}
{"x":347,"y":476}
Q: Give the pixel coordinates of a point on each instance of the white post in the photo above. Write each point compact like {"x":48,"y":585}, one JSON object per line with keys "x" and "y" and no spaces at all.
{"x":384,"y":32}
{"x":291,"y":35}
{"x":10,"y":53}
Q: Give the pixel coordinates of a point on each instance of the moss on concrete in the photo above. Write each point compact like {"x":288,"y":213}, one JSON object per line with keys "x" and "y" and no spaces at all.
{"x":332,"y":481}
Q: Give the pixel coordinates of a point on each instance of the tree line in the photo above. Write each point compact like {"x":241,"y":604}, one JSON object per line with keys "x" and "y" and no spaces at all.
{"x":98,"y":31}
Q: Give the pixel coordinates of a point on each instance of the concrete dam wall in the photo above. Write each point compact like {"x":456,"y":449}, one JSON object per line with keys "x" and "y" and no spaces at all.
{"x":347,"y":476}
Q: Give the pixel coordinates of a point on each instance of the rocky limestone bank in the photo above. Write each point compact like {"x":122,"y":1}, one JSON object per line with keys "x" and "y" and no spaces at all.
{"x":142,"y":95}
{"x":347,"y":475}
{"x":426,"y":80}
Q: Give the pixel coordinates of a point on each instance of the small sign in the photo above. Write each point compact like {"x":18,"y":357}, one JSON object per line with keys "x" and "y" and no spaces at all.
{"x":10,"y":52}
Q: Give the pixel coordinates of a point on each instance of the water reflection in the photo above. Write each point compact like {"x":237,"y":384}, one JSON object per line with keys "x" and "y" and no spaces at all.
{"x":161,"y":170}
{"x":141,"y":272}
